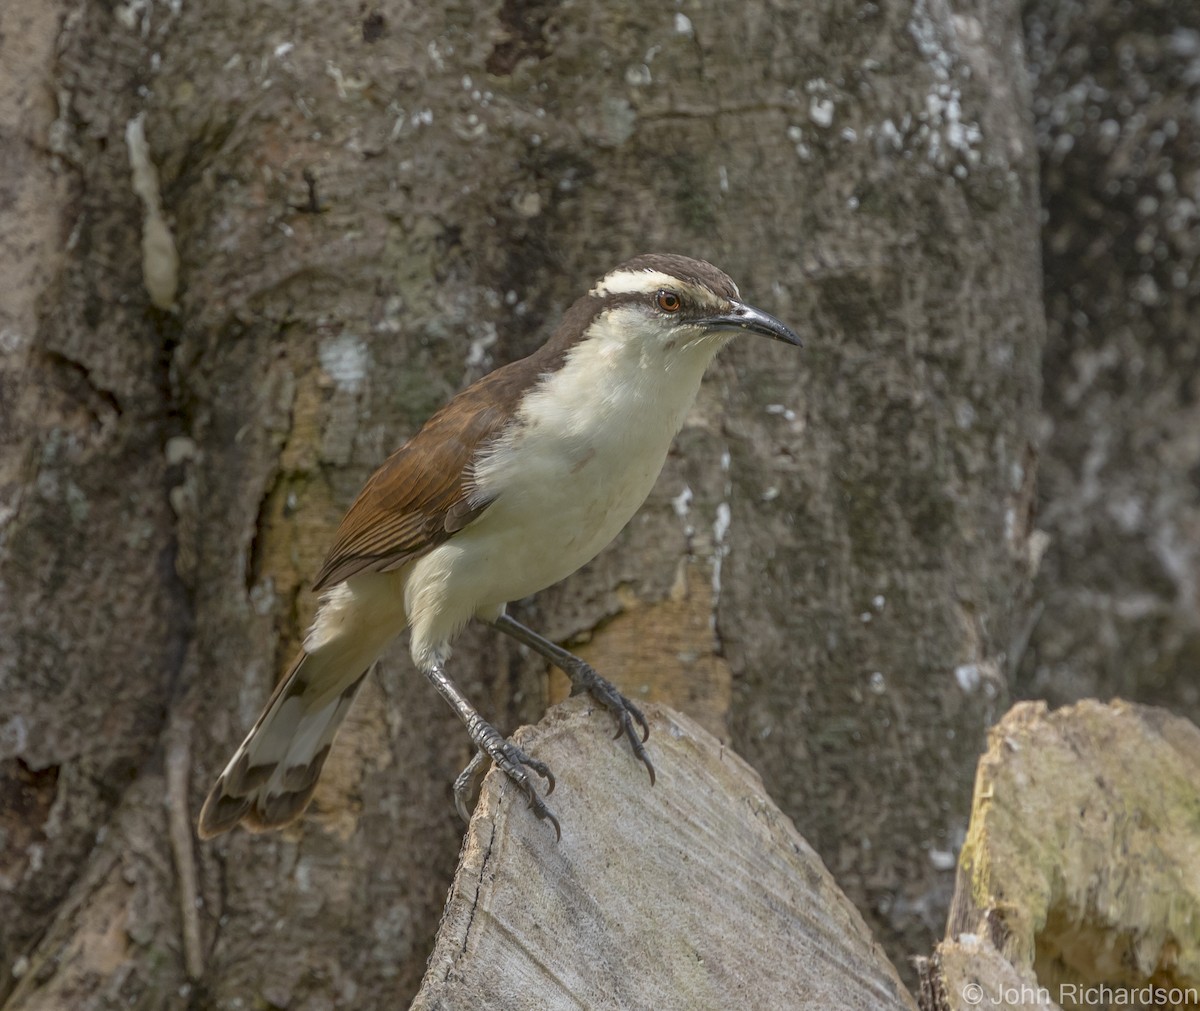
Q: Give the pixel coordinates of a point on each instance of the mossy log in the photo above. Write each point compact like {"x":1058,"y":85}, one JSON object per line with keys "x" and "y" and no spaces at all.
{"x":1079,"y":883}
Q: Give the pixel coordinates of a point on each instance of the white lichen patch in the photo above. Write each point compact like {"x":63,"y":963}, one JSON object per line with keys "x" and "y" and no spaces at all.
{"x":720,"y":530}
{"x":638,"y":75}
{"x":12,"y":340}
{"x":344,"y":359}
{"x":943,"y":117}
{"x":820,"y":103}
{"x":721,"y":523}
{"x":940,"y":127}
{"x":968,"y":676}
{"x":890,"y":135}
{"x":796,"y":135}
{"x":478,"y":356}
{"x":14,"y":735}
{"x":682,"y":506}
{"x":682,"y":503}
{"x":347,"y":87}
{"x":927,"y":34}
{"x":160,"y":259}
{"x":180,"y":449}
{"x":134,"y":15}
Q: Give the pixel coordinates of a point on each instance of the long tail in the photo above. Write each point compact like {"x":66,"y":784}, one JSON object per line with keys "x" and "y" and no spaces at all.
{"x":272,"y":775}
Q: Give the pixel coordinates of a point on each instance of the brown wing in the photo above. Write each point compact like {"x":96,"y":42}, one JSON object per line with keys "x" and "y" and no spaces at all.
{"x":423,"y":493}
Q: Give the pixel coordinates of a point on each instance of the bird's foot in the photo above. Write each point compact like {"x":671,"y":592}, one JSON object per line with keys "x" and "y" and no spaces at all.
{"x":585,"y":679}
{"x":513,"y":762}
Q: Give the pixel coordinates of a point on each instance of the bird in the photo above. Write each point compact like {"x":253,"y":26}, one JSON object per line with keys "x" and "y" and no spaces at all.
{"x":511,"y":486}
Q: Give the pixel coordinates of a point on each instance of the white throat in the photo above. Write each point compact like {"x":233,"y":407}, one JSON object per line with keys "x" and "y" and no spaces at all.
{"x":622,"y":390}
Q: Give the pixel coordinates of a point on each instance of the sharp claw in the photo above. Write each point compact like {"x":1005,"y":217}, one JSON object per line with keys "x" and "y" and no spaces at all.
{"x":640,"y":752}
{"x":643,"y":724}
{"x":512,"y":761}
{"x":466,"y":779}
{"x":461,"y":808}
{"x":545,"y":814}
{"x":624,"y":711}
{"x":535,"y":802}
{"x":541,"y":768}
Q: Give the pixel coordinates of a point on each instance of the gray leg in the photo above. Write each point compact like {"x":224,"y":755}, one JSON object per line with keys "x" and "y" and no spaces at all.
{"x":490,"y":742}
{"x":585,"y":679}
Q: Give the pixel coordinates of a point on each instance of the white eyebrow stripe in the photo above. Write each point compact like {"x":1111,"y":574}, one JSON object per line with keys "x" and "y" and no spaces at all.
{"x":633,"y":282}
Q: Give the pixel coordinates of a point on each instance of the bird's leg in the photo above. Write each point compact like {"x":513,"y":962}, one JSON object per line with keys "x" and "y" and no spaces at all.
{"x":490,"y":743}
{"x":585,"y":679}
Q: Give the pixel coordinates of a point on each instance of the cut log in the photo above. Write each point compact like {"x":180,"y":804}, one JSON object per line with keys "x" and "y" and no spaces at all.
{"x":1079,"y":884}
{"x":695,"y":893}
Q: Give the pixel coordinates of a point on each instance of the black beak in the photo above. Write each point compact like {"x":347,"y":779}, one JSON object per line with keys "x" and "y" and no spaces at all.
{"x":745,"y":317}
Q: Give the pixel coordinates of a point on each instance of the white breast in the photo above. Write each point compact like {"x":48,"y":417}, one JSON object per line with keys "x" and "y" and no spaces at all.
{"x":590,"y":442}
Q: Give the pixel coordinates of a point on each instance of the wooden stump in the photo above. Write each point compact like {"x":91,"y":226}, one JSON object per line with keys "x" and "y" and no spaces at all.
{"x":1079,"y":884}
{"x":695,"y":893}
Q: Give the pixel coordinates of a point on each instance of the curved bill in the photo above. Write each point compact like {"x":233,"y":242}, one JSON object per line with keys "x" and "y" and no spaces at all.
{"x":745,"y":317}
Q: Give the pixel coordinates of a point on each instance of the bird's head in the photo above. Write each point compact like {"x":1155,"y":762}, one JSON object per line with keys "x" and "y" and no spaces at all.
{"x":676,"y":302}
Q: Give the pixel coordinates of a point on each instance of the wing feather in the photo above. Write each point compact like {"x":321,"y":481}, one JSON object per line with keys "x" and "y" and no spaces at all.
{"x":424,"y":492}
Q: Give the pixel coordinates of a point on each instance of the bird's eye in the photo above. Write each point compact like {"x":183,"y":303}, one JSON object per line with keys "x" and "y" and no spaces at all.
{"x":668,"y":301}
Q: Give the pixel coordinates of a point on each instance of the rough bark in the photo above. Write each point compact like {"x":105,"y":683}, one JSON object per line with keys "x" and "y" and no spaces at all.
{"x":1117,"y":100}
{"x":371,"y":206}
{"x":877,"y":595}
{"x":697,"y":893}
{"x":1080,"y":869}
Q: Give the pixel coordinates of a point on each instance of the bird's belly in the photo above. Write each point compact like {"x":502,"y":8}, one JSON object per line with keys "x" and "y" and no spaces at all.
{"x":543,"y":529}
{"x":557,"y":507}
{"x":546,"y":524}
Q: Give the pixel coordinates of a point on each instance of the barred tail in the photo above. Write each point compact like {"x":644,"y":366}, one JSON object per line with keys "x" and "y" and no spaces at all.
{"x":272,"y":775}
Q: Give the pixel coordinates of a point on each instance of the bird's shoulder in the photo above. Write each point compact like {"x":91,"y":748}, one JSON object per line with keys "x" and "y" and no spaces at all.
{"x":424,"y":492}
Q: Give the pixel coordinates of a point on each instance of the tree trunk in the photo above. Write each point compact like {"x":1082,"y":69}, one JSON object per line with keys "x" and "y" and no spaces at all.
{"x":1119,"y":134}
{"x":359,"y":209}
